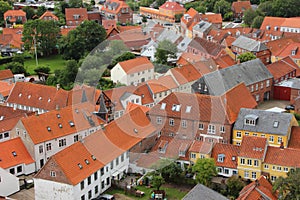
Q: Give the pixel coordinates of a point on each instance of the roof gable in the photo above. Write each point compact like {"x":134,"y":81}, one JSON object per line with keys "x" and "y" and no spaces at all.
{"x":249,"y":44}
{"x":253,"y":147}
{"x":6,"y":74}
{"x":136,"y":65}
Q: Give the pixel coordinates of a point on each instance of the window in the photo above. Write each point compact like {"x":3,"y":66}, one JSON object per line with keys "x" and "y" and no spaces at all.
{"x":261,"y":85}
{"x":102,"y":184}
{"x":242,"y":161}
{"x":76,"y":138}
{"x":111,"y":164}
{"x":52,"y":173}
{"x":249,"y":162}
{"x":41,"y":149}
{"x":273,"y":178}
{"x":89,"y":180}
{"x":122,"y":158}
{"x":238,"y":134}
{"x":246,"y":133}
{"x":82,"y":185}
{"x":211,"y":129}
{"x":96,"y":189}
{"x":256,"y":86}
{"x":257,"y":97}
{"x":273,"y":167}
{"x":82,"y":197}
{"x":278,"y":168}
{"x":271,"y":138}
{"x":222,"y":129}
{"x":95,"y":175}
{"x":226,"y":171}
{"x":62,"y":142}
{"x":188,"y":109}
{"x":279,"y":140}
{"x":254,"y":175}
{"x":163,"y":106}
{"x":252,"y":88}
{"x":263,"y":135}
{"x":159,"y":120}
{"x":266,"y":166}
{"x":201,"y":126}
{"x":171,"y":122}
{"x":202,"y":156}
{"x":254,"y":134}
{"x":117,"y":161}
{"x":107,"y":181}
{"x":90,"y":194}
{"x":48,"y":146}
{"x":256,"y":163}
{"x":193,"y":155}
{"x":268,"y":83}
{"x":285,"y":169}
{"x":221,"y":157}
{"x":102,"y":171}
{"x":246,"y":174}
{"x":19,"y":169}
{"x":6,"y":135}
{"x":183,"y":123}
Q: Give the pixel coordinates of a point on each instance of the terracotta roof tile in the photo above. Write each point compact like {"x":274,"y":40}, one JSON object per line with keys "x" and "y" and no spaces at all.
{"x":272,"y":22}
{"x":276,"y":46}
{"x":14,"y":13}
{"x":287,"y":51}
{"x":224,"y":61}
{"x":109,"y":23}
{"x":48,"y":16}
{"x":65,"y":31}
{"x":8,"y":148}
{"x":118,"y":5}
{"x":215,"y":18}
{"x":295,"y":138}
{"x":241,"y":6}
{"x":201,"y":147}
{"x":6,"y":74}
{"x":59,"y":123}
{"x":283,"y":157}
{"x":38,"y":96}
{"x":185,"y":74}
{"x":128,"y":28}
{"x":173,"y":6}
{"x":132,"y":106}
{"x":230,"y":152}
{"x":70,"y":12}
{"x":136,"y":65}
{"x":81,"y":94}
{"x":9,"y":112}
{"x":5,"y":88}
{"x":282,"y":67}
{"x":206,"y":46}
{"x":253,"y":147}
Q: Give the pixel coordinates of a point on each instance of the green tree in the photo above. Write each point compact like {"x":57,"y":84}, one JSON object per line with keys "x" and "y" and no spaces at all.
{"x":222,"y":7}
{"x":43,"y":33}
{"x":171,"y":172}
{"x":42,"y":69}
{"x":228,"y":16}
{"x":166,"y":49}
{"x":249,"y":16}
{"x":244,"y":57}
{"x":125,"y":56}
{"x":205,"y":170}
{"x":286,"y":8}
{"x":16,"y":68}
{"x":178,"y":17}
{"x":29,"y":12}
{"x":288,"y":187}
{"x":41,"y":10}
{"x":4,"y":6}
{"x":258,"y":20}
{"x":233,"y":186}
{"x":266,"y":8}
{"x":19,"y":59}
{"x":75,"y":3}
{"x":157,"y":181}
{"x":106,"y":84}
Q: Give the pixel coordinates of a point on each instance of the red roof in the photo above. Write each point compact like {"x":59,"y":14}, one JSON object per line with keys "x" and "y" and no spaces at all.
{"x":132,"y":106}
{"x":65,"y":31}
{"x":294,"y":142}
{"x":173,"y":6}
{"x":5,"y":88}
{"x":6,"y":74}
{"x":241,"y":6}
{"x":136,"y":65}
{"x":224,"y":61}
{"x":109,"y":23}
{"x":283,"y":157}
{"x":272,"y":22}
{"x":14,"y":13}
{"x":253,"y":147}
{"x":230,"y":153}
{"x":287,"y":51}
{"x":215,"y":18}
{"x":48,"y":16}
{"x":13,"y":153}
{"x":185,"y":74}
{"x":72,"y":12}
{"x":201,"y":147}
{"x":116,"y":4}
{"x":282,"y":67}
{"x":162,"y":84}
{"x":276,"y":46}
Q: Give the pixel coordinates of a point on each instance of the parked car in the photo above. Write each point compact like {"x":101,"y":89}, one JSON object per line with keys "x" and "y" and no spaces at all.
{"x":290,"y":107}
{"x":105,"y":197}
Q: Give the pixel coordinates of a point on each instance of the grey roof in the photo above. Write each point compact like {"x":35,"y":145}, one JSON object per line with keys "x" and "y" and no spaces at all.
{"x":291,"y":83}
{"x":202,"y":26}
{"x":182,"y":46}
{"x":249,"y":44}
{"x":202,"y":192}
{"x":125,"y":95}
{"x":170,"y":35}
{"x":250,"y":72}
{"x":265,"y":121}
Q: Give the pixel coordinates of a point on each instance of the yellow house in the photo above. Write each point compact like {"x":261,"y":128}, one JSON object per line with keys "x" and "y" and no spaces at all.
{"x":276,"y":127}
{"x":251,"y":157}
{"x":200,"y":149}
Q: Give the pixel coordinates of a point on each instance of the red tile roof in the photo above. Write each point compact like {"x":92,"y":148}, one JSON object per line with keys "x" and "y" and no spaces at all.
{"x":6,"y":74}
{"x":280,"y":21}
{"x":185,"y":74}
{"x":205,"y":46}
{"x":8,"y":148}
{"x":287,"y":51}
{"x":259,"y":189}
{"x":162,"y":84}
{"x":283,"y":157}
{"x":14,"y":13}
{"x":132,"y":106}
{"x":109,"y":23}
{"x":241,"y":6}
{"x":64,"y":31}
{"x":80,"y":93}
{"x":215,"y":18}
{"x":117,"y":4}
{"x":48,"y":16}
{"x":12,"y":36}
{"x":38,"y":96}
{"x":282,"y":67}
{"x":224,"y":61}
{"x":136,"y":65}
{"x":173,"y":6}
{"x":294,"y":142}
{"x":9,"y":112}
{"x":59,"y":122}
{"x":70,"y":12}
{"x":230,"y":152}
{"x":201,"y":147}
{"x":253,"y":147}
{"x":5,"y":88}
{"x":276,"y":46}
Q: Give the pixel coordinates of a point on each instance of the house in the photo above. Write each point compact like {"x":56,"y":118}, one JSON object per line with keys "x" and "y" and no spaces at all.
{"x":244,"y":44}
{"x":95,"y":16}
{"x":201,"y":29}
{"x":6,"y":75}
{"x":5,"y":88}
{"x":209,"y":117}
{"x":287,"y":90}
{"x":289,"y":50}
{"x":15,"y":158}
{"x":224,"y":61}
{"x":133,"y":72}
{"x":13,"y":17}
{"x":226,"y":157}
{"x":214,"y":18}
{"x":259,"y":189}
{"x":48,"y":16}
{"x":117,"y":10}
{"x":166,"y":12}
{"x":283,"y":69}
{"x":252,"y":155}
{"x":36,"y":97}
{"x":88,"y":168}
{"x":202,"y":192}
{"x":238,"y":8}
{"x":294,"y":139}
{"x":75,"y":16}
{"x":45,"y":135}
{"x":274,"y":126}
{"x":253,"y":73}
{"x":9,"y":183}
{"x":204,"y":48}
{"x":281,"y":24}
{"x":200,"y":149}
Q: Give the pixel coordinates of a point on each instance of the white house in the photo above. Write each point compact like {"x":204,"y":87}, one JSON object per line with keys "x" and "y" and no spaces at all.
{"x":86,"y":169}
{"x":132,"y":72}
{"x":46,"y":134}
{"x":9,"y":184}
{"x":149,"y":50}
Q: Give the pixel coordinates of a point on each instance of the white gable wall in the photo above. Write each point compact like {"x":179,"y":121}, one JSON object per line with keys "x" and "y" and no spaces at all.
{"x":9,"y":184}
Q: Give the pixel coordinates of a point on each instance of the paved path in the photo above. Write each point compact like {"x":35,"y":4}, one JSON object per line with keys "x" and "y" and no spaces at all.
{"x":273,"y":103}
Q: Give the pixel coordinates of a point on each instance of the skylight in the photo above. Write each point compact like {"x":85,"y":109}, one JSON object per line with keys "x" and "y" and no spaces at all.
{"x":276,"y":124}
{"x":40,"y":98}
{"x":176,"y":107}
{"x":29,"y":96}
{"x":86,"y":161}
{"x":14,"y":153}
{"x":20,"y":94}
{"x":1,"y":118}
{"x":163,"y":106}
{"x":48,"y":128}
{"x":188,"y":109}
{"x":71,"y":123}
{"x":58,"y":116}
{"x":60,"y":125}
{"x":79,"y":165}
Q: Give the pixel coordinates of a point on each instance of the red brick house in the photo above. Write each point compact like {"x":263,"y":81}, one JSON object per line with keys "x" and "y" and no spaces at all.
{"x":49,"y":16}
{"x":75,"y":16}
{"x":13,"y":17}
{"x":117,"y":10}
{"x":238,"y":8}
{"x":95,"y":16}
{"x":204,"y":48}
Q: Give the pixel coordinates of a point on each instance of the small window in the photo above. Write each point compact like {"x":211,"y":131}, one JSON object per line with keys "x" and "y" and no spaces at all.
{"x":80,"y":166}
{"x":201,"y":126}
{"x":163,"y":106}
{"x":52,"y":174}
{"x":86,"y":161}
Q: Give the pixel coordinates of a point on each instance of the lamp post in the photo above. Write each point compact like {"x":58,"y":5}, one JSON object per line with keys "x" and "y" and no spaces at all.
{"x":35,"y":51}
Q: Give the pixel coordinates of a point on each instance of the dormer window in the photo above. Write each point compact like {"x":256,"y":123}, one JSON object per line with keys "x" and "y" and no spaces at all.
{"x":79,"y":165}
{"x":276,"y":124}
{"x":14,"y":153}
{"x":188,"y":109}
{"x":86,"y":161}
{"x":163,"y":106}
{"x":221,"y":157}
{"x":60,"y":125}
{"x":48,"y":128}
{"x":76,"y":17}
{"x":71,"y":123}
{"x":251,"y":120}
{"x":176,"y":107}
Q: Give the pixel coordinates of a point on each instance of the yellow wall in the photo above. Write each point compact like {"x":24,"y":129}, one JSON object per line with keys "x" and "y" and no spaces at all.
{"x":198,"y":155}
{"x":250,"y":168}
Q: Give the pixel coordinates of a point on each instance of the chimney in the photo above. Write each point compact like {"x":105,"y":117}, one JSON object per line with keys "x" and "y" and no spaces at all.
{"x":281,"y":146}
{"x":57,"y":107}
{"x":36,"y":113}
{"x":57,"y":86}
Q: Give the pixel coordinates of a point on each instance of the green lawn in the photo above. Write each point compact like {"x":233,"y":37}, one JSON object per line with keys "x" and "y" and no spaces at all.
{"x":54,"y":62}
{"x":172,"y":193}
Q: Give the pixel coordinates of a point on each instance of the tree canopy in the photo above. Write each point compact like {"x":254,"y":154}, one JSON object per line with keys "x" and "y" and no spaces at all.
{"x":205,"y":170}
{"x":166,"y":49}
{"x":244,"y":57}
{"x":157,"y":181}
{"x":4,"y":6}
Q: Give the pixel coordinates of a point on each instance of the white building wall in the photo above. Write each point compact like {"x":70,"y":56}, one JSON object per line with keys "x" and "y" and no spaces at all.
{"x":44,"y":190}
{"x":9,"y":184}
{"x":118,"y":75}
{"x":30,"y":168}
{"x":140,"y":76}
{"x":222,"y":171}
